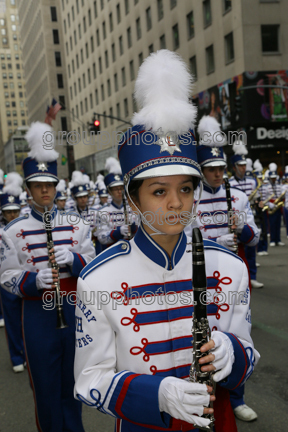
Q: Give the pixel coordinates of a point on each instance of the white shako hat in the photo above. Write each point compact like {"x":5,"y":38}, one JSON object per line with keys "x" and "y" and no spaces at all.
{"x":212,"y":139}
{"x":161,"y":142}
{"x":240,"y":151}
{"x":61,"y":190}
{"x":10,"y":199}
{"x":273,"y":170}
{"x":79,"y":186}
{"x":114,"y":178}
{"x":258,"y":168}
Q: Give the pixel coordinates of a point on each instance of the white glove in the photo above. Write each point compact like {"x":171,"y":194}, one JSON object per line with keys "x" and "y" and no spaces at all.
{"x":44,"y":279}
{"x":224,"y":355}
{"x":63,"y":255}
{"x":271,"y":205}
{"x":227,"y":240}
{"x":182,"y":399}
{"x":124,"y":229}
{"x":240,"y":224}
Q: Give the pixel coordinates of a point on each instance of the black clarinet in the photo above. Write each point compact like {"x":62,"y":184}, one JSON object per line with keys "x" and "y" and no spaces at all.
{"x":61,"y":322}
{"x":229,"y":212}
{"x":200,"y":325}
{"x":126,"y":218}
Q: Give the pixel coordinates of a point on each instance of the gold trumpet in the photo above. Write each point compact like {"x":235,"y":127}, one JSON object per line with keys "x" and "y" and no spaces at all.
{"x":278,"y":203}
{"x":266,"y":207}
{"x":254,"y":192}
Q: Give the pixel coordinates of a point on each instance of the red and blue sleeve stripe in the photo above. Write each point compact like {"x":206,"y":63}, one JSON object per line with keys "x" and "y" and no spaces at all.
{"x":246,"y":235}
{"x":78,"y":264}
{"x":116,"y":234}
{"x":27,"y":285}
{"x":240,"y":366}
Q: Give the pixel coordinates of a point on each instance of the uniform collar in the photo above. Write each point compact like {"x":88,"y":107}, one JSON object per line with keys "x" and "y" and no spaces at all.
{"x":116,"y":206}
{"x":239,"y":180}
{"x":210,"y":189}
{"x":156,"y":253}
{"x":39,"y":216}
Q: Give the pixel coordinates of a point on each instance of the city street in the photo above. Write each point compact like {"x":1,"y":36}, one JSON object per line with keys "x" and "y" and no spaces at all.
{"x":266,"y":391}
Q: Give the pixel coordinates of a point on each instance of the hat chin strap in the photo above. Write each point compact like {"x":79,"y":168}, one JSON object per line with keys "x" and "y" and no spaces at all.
{"x":156,"y":231}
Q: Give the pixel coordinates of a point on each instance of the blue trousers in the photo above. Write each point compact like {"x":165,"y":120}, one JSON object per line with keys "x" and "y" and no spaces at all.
{"x":250,"y":255}
{"x":263,"y":243}
{"x":12,"y":310}
{"x":285,"y":212}
{"x":275,"y":226}
{"x":237,"y":396}
{"x":50,"y":361}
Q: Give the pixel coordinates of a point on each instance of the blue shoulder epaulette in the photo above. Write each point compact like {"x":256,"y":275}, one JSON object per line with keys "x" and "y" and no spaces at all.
{"x":15,"y":221}
{"x":122,"y":247}
{"x":212,"y":245}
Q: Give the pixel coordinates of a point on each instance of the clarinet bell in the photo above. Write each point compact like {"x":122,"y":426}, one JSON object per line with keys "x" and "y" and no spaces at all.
{"x":61,"y":322}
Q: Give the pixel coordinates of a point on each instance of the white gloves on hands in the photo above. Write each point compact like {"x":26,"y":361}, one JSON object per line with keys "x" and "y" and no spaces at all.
{"x":182,"y":399}
{"x":63,"y":255}
{"x":224,"y":355}
{"x":226,"y":240}
{"x":124,"y":229}
{"x":44,"y":279}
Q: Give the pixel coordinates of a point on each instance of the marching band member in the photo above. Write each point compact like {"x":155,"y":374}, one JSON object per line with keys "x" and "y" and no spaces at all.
{"x":25,"y":272}
{"x":25,"y":208}
{"x":61,"y":197}
{"x":111,"y":225}
{"x":262,"y":248}
{"x":285,"y":188}
{"x":79,"y":192}
{"x":274,"y":216}
{"x":12,"y":304}
{"x":132,"y":358}
{"x":247,"y":184}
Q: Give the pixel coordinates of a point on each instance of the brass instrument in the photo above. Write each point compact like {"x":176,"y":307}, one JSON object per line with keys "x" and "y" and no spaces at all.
{"x":254,"y":192}
{"x":266,"y":207}
{"x":200,"y":325}
{"x":61,"y":322}
{"x":278,"y":203}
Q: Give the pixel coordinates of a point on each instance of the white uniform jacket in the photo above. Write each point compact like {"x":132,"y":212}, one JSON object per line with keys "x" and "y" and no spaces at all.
{"x":276,"y":189}
{"x":24,"y":250}
{"x":212,"y":218}
{"x":133,"y":325}
{"x":285,"y":189}
{"x":247,"y":184}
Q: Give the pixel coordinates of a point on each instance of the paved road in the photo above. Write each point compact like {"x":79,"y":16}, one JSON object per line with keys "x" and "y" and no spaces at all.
{"x":266,"y":391}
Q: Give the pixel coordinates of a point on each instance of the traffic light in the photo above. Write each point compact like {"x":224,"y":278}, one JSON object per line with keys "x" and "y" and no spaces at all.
{"x":95,"y":126}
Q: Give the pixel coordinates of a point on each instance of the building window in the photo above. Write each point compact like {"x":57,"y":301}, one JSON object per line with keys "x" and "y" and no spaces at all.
{"x":62,"y":101}
{"x":270,"y":38}
{"x":116,"y":82}
{"x":100,"y":65}
{"x":7,"y":104}
{"x":3,"y":32}
{"x":13,"y":104}
{"x":207,"y":13}
{"x":89,"y":17}
{"x":138,"y":28}
{"x":109,"y":87}
{"x":64,"y":124}
{"x":67,"y":49}
{"x":14,"y":37}
{"x":17,"y":66}
{"x":162,"y":42}
{"x":86,"y":105}
{"x":111,"y":115}
{"x":87,"y":50}
{"x":121,"y":45}
{"x":175,"y":34}
{"x":229,"y":48}
{"x":94,"y":70}
{"x":118,"y":110}
{"x":73,"y":66}
{"x":190,"y":25}
{"x":210,"y":67}
{"x":91,"y":101}
{"x":123,"y":77}
{"x":118,"y":13}
{"x":106,"y":59}
{"x":4,"y":75}
{"x":102,"y":92}
{"x":126,"y":7}
{"x":82,"y":56}
{"x":58,"y":58}
{"x":14,"y":113}
{"x":68,"y":19}
{"x":8,"y":113}
{"x":113,"y":52}
{"x":92,"y":44}
{"x":73,"y":13}
{"x":81,"y":108}
{"x":173,"y":3}
{"x":11,"y":85}
{"x":148,"y":19}
{"x":160,"y":9}
{"x":53,"y":13}
{"x":111,"y":22}
{"x":95,"y":9}
{"x":105,"y":119}
{"x":75,"y":89}
{"x":132,"y":74}
{"x":11,"y":75}
{"x":98,"y":37}
{"x":84,"y":25}
{"x":3,"y":65}
{"x":79,"y":31}
{"x":150,"y":48}
{"x":75,"y":37}
{"x":71,"y":43}
{"x":129,"y":37}
{"x":60,"y":81}
{"x":84,"y":80}
{"x":71,"y":93}
{"x":55,"y":37}
{"x":15,"y":122}
{"x":102,"y":4}
{"x":126,"y":109}
{"x":77,"y":6}
{"x":193,"y":66}
{"x":96,"y":97}
{"x":227,"y":5}
{"x":104,"y":29}
{"x":140,"y":58}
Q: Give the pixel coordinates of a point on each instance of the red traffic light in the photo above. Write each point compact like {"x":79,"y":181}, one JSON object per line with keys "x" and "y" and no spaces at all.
{"x":96,"y":123}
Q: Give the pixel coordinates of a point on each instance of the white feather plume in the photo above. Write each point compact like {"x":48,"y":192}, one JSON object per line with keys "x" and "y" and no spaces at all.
{"x":1,"y":176}
{"x":91,"y":183}
{"x":286,"y":169}
{"x":13,"y":184}
{"x":100,"y":177}
{"x":239,"y":148}
{"x":101,"y":185}
{"x":113,"y":166}
{"x":249,"y":164}
{"x":23,"y":196}
{"x":77,"y":178}
{"x":36,"y":136}
{"x":210,"y":125}
{"x":162,"y":92}
{"x":257,"y":165}
{"x":61,"y":187}
{"x":86,"y":179}
{"x":272,"y":166}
